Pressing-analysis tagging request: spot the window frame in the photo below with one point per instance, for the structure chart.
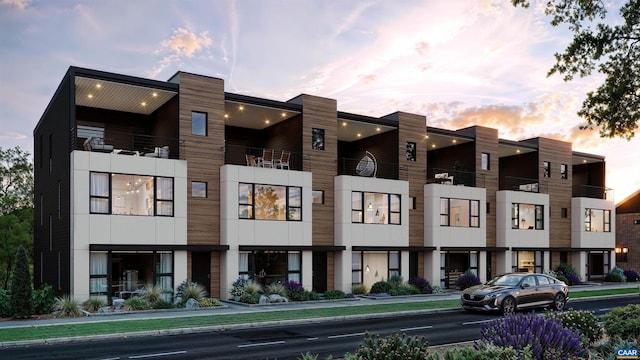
(445, 212)
(206, 123)
(564, 171)
(538, 217)
(546, 169)
(250, 205)
(606, 220)
(206, 190)
(394, 217)
(485, 161)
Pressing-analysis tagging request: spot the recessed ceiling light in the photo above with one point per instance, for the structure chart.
(144, 103)
(518, 151)
(378, 128)
(154, 94)
(426, 136)
(584, 161)
(284, 114)
(344, 123)
(98, 86)
(90, 96)
(455, 141)
(358, 134)
(433, 145)
(240, 107)
(267, 121)
(226, 116)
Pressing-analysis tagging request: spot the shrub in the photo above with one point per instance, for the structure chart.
(619, 271)
(276, 289)
(394, 346)
(253, 288)
(209, 302)
(483, 351)
(613, 277)
(335, 294)
(190, 290)
(136, 303)
(381, 287)
(66, 306)
(310, 296)
(295, 291)
(239, 287)
(359, 289)
(564, 268)
(163, 304)
(395, 280)
(43, 299)
(152, 293)
(21, 287)
(467, 280)
(422, 284)
(547, 337)
(631, 275)
(5, 303)
(563, 279)
(573, 279)
(93, 304)
(404, 289)
(583, 321)
(610, 347)
(437, 289)
(623, 322)
(250, 298)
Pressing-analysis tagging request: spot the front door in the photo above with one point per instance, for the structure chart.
(319, 271)
(201, 269)
(596, 265)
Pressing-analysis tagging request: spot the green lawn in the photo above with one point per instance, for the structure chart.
(36, 332)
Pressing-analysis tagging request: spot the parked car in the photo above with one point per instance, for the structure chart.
(510, 292)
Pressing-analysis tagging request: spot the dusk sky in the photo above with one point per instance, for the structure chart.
(458, 62)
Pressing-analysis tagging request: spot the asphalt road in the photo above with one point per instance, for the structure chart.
(286, 342)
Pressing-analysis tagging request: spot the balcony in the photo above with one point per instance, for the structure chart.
(128, 144)
(368, 167)
(454, 177)
(522, 184)
(252, 156)
(593, 192)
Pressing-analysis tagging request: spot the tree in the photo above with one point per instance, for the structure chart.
(21, 287)
(611, 49)
(16, 208)
(16, 180)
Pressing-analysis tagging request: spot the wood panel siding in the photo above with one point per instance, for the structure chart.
(331, 281)
(556, 152)
(321, 113)
(487, 142)
(216, 275)
(204, 154)
(413, 128)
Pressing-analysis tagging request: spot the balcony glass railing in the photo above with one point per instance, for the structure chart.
(454, 177)
(594, 192)
(130, 144)
(263, 157)
(522, 184)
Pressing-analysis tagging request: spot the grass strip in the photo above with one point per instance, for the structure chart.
(36, 332)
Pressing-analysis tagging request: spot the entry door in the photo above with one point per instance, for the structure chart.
(319, 271)
(596, 265)
(201, 269)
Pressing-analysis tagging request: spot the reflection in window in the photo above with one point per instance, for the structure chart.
(527, 216)
(375, 208)
(269, 202)
(459, 212)
(597, 220)
(198, 123)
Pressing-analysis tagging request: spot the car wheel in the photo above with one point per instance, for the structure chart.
(508, 305)
(558, 302)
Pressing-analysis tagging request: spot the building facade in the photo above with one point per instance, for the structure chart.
(142, 182)
(628, 232)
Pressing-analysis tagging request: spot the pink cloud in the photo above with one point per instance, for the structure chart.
(20, 4)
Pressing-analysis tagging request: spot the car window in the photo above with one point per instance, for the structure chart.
(543, 280)
(506, 280)
(529, 280)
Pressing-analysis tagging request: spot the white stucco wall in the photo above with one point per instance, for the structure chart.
(580, 238)
(520, 238)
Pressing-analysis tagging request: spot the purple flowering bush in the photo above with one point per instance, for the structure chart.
(422, 284)
(573, 279)
(546, 338)
(467, 280)
(631, 275)
(295, 290)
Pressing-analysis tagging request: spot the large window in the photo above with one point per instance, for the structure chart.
(597, 220)
(459, 212)
(124, 194)
(269, 267)
(375, 208)
(269, 202)
(527, 216)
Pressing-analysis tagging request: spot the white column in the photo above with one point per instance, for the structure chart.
(307, 269)
(229, 271)
(482, 266)
(432, 267)
(342, 267)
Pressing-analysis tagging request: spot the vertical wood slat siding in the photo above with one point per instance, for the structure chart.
(560, 190)
(321, 113)
(216, 275)
(413, 128)
(204, 154)
(487, 142)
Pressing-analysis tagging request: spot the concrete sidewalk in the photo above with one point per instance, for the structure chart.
(235, 308)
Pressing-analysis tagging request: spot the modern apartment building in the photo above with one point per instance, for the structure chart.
(628, 232)
(140, 181)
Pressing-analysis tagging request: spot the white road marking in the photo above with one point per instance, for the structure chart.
(417, 328)
(345, 335)
(157, 355)
(313, 338)
(605, 309)
(476, 322)
(115, 358)
(261, 344)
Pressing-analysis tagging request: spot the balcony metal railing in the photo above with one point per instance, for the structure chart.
(383, 170)
(455, 177)
(130, 144)
(594, 192)
(237, 155)
(522, 184)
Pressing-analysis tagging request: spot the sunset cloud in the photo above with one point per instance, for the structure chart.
(20, 4)
(183, 43)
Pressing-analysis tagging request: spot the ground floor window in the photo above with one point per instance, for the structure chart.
(268, 267)
(527, 261)
(369, 267)
(125, 274)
